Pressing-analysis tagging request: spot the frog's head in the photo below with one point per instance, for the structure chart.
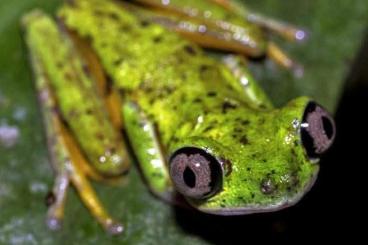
(253, 161)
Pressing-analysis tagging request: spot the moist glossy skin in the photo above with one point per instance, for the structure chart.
(198, 125)
(194, 101)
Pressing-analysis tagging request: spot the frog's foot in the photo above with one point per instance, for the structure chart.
(78, 177)
(277, 55)
(55, 200)
(70, 170)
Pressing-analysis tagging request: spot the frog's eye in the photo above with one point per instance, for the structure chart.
(195, 173)
(317, 130)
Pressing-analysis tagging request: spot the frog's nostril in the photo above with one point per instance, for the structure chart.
(318, 130)
(195, 173)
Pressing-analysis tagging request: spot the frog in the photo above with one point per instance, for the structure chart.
(200, 126)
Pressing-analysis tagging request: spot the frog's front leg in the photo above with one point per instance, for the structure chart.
(65, 87)
(148, 150)
(242, 80)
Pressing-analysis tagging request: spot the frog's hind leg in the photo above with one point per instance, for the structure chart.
(243, 33)
(66, 158)
(283, 29)
(68, 162)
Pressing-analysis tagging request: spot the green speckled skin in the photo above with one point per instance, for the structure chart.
(79, 103)
(174, 96)
(195, 100)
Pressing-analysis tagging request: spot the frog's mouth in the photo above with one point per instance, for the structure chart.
(251, 209)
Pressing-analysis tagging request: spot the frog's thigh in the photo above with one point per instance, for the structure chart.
(242, 80)
(145, 143)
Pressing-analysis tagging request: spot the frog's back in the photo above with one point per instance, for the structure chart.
(149, 63)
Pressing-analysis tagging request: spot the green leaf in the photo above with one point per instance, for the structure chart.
(25, 175)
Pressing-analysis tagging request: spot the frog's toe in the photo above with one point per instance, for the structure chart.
(54, 223)
(115, 228)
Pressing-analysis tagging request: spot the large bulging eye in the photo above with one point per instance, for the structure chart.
(318, 130)
(195, 173)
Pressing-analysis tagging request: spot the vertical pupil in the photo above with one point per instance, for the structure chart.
(327, 126)
(189, 177)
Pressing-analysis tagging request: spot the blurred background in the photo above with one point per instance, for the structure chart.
(336, 75)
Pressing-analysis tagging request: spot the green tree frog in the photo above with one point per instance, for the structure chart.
(199, 125)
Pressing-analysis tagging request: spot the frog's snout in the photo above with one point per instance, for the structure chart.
(317, 130)
(195, 173)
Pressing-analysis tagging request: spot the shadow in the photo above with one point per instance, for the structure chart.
(335, 203)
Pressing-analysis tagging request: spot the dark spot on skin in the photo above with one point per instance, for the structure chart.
(203, 68)
(98, 13)
(267, 186)
(190, 50)
(100, 136)
(86, 70)
(249, 169)
(293, 153)
(168, 89)
(252, 195)
(234, 136)
(89, 111)
(227, 16)
(272, 171)
(118, 61)
(144, 23)
(262, 106)
(245, 122)
(227, 166)
(68, 76)
(157, 175)
(50, 199)
(244, 140)
(245, 180)
(103, 44)
(113, 16)
(222, 205)
(227, 105)
(109, 86)
(211, 94)
(241, 199)
(157, 39)
(121, 90)
(208, 128)
(73, 113)
(264, 160)
(183, 76)
(197, 100)
(152, 100)
(59, 64)
(124, 28)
